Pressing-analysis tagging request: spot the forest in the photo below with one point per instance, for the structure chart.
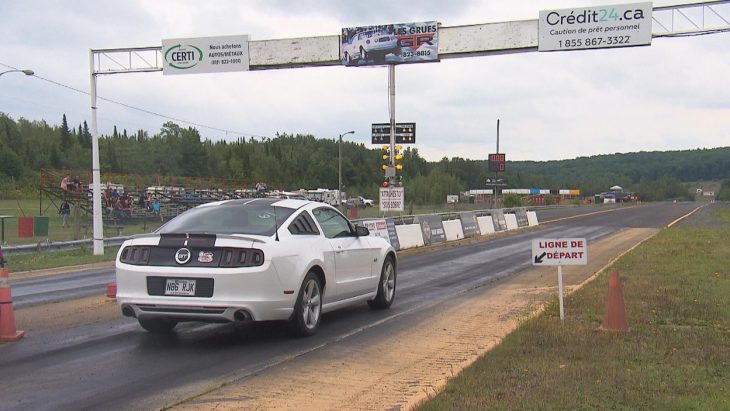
(291, 162)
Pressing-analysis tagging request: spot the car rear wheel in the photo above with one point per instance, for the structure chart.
(157, 325)
(308, 308)
(386, 287)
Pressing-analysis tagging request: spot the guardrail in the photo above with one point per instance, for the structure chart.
(115, 241)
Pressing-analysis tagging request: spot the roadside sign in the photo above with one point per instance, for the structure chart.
(405, 133)
(391, 198)
(560, 251)
(616, 25)
(205, 55)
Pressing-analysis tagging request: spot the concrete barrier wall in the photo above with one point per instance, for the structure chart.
(486, 225)
(453, 229)
(511, 221)
(409, 235)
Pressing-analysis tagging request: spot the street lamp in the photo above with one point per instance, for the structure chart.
(26, 72)
(339, 184)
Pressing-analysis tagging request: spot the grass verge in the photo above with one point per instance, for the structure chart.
(675, 357)
(53, 259)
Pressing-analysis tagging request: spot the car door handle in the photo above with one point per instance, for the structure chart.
(339, 250)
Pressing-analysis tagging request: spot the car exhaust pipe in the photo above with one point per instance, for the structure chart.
(128, 311)
(242, 316)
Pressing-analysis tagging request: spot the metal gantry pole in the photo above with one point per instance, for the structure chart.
(95, 168)
(391, 105)
(391, 92)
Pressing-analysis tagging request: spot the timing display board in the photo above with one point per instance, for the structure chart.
(497, 163)
(405, 133)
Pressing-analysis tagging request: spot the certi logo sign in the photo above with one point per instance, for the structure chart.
(560, 251)
(205, 55)
(183, 57)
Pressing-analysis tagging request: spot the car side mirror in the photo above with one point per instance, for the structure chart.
(362, 231)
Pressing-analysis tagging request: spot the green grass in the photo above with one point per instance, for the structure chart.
(676, 355)
(56, 232)
(53, 259)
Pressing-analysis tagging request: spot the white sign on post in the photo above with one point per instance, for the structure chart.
(560, 252)
(391, 199)
(205, 55)
(617, 25)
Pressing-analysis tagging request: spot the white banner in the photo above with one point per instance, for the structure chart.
(377, 228)
(205, 55)
(617, 25)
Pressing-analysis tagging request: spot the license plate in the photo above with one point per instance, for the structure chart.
(178, 286)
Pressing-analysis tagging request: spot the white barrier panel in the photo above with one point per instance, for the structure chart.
(409, 235)
(486, 225)
(511, 220)
(453, 229)
(532, 218)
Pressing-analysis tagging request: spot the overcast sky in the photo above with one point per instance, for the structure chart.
(674, 94)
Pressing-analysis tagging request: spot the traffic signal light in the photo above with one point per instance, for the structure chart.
(399, 158)
(385, 155)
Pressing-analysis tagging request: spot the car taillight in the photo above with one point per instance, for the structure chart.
(241, 257)
(135, 255)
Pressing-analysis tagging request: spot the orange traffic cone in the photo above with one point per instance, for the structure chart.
(8, 333)
(615, 317)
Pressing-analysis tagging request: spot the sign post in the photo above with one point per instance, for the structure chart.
(560, 252)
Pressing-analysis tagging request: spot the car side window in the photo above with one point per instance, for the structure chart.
(303, 225)
(333, 224)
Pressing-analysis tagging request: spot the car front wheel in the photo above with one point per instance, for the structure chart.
(157, 325)
(308, 308)
(386, 287)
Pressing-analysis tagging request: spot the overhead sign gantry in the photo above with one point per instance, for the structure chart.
(453, 42)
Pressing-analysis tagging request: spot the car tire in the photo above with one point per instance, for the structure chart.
(386, 286)
(308, 307)
(157, 325)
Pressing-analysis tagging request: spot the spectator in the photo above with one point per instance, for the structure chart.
(77, 183)
(65, 183)
(115, 197)
(65, 211)
(156, 209)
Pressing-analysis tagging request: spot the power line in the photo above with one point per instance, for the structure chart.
(142, 110)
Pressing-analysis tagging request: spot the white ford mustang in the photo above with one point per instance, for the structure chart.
(253, 260)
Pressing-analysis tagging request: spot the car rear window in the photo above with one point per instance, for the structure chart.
(233, 218)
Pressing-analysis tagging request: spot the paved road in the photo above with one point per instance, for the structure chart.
(116, 365)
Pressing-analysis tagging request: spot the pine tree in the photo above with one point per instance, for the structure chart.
(65, 134)
(87, 136)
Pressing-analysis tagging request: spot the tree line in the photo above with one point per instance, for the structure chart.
(291, 162)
